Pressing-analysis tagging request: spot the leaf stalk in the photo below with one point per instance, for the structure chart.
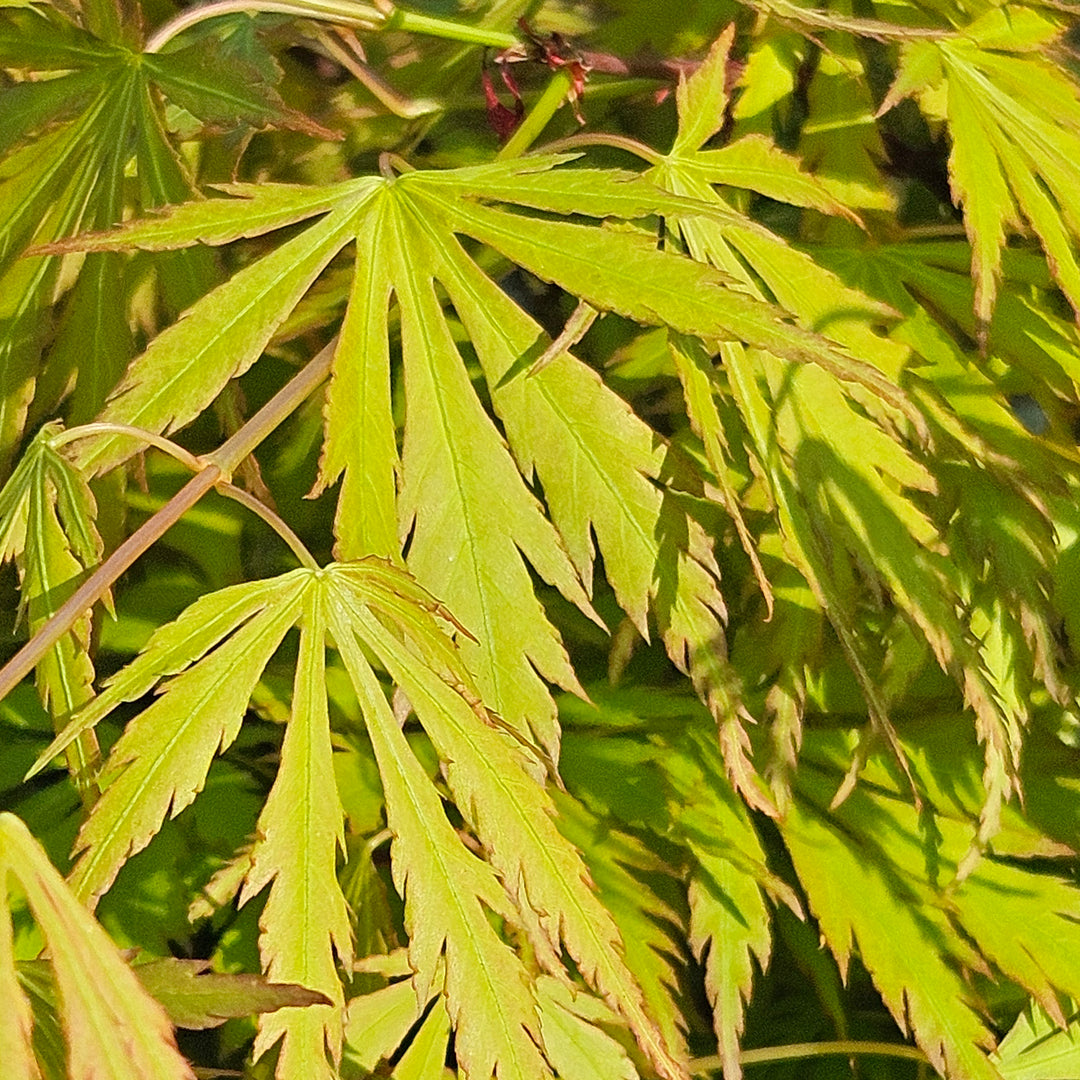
(383, 16)
(216, 469)
(798, 1051)
(537, 119)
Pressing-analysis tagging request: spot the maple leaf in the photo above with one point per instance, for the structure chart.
(898, 885)
(112, 1026)
(213, 655)
(830, 452)
(454, 460)
(1012, 116)
(70, 140)
(47, 527)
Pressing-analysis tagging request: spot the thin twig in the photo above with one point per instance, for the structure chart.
(798, 1051)
(383, 16)
(216, 468)
(260, 509)
(600, 138)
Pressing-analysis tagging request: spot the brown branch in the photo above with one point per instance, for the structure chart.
(217, 468)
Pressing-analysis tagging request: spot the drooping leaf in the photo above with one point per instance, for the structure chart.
(900, 874)
(513, 815)
(114, 1029)
(919, 981)
(489, 994)
(297, 855)
(47, 524)
(1013, 119)
(617, 863)
(729, 920)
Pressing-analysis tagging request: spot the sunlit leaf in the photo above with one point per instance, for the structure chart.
(113, 1027)
(297, 855)
(1013, 120)
(1037, 1049)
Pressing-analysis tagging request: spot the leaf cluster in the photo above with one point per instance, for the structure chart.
(680, 670)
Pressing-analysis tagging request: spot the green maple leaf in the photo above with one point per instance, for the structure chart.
(111, 1025)
(1012, 116)
(69, 141)
(455, 469)
(213, 655)
(47, 527)
(729, 919)
(618, 862)
(1010, 918)
(838, 462)
(1003, 531)
(674, 784)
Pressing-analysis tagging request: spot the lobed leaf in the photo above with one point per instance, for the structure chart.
(221, 86)
(650, 286)
(702, 99)
(45, 42)
(624, 871)
(512, 815)
(472, 518)
(756, 164)
(185, 366)
(160, 762)
(729, 920)
(1013, 118)
(911, 965)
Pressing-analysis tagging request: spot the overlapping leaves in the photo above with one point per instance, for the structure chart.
(464, 503)
(1010, 920)
(111, 1025)
(838, 462)
(886, 529)
(213, 655)
(68, 142)
(1014, 120)
(47, 527)
(1015, 921)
